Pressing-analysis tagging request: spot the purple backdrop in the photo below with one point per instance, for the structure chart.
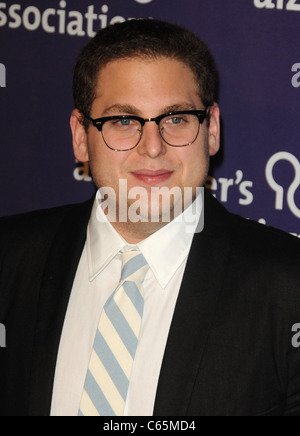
(257, 48)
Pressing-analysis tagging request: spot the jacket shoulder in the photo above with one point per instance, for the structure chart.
(268, 260)
(248, 235)
(29, 223)
(252, 234)
(37, 226)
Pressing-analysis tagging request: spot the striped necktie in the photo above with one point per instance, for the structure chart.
(107, 381)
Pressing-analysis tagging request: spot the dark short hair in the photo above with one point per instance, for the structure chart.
(143, 38)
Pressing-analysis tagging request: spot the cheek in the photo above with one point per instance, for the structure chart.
(195, 165)
(104, 164)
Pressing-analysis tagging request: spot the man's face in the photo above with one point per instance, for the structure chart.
(147, 88)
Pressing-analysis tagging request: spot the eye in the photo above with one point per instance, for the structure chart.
(122, 122)
(175, 121)
(125, 122)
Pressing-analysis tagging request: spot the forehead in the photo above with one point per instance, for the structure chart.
(145, 83)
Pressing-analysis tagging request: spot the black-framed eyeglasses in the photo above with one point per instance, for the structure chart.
(124, 132)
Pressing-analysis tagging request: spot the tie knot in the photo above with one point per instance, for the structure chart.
(134, 266)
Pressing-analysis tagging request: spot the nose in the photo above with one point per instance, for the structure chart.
(152, 143)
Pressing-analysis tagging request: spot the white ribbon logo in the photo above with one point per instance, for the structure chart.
(278, 188)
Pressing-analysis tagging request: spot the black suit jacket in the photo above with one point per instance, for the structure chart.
(229, 350)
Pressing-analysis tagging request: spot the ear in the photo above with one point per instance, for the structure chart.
(79, 137)
(214, 130)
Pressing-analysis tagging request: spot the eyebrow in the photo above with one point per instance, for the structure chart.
(180, 107)
(119, 109)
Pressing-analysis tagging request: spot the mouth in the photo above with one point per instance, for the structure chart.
(152, 178)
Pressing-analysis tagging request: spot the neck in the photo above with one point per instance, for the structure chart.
(136, 232)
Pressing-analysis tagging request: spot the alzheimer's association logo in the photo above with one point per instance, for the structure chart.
(280, 190)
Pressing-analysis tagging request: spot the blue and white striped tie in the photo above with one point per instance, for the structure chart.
(107, 380)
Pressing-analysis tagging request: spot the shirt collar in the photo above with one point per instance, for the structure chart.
(164, 259)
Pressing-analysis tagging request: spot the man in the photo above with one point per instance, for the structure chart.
(217, 306)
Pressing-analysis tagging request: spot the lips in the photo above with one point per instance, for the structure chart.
(150, 177)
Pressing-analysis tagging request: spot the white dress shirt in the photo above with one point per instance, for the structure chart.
(97, 277)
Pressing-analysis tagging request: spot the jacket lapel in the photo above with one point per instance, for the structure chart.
(195, 312)
(56, 286)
